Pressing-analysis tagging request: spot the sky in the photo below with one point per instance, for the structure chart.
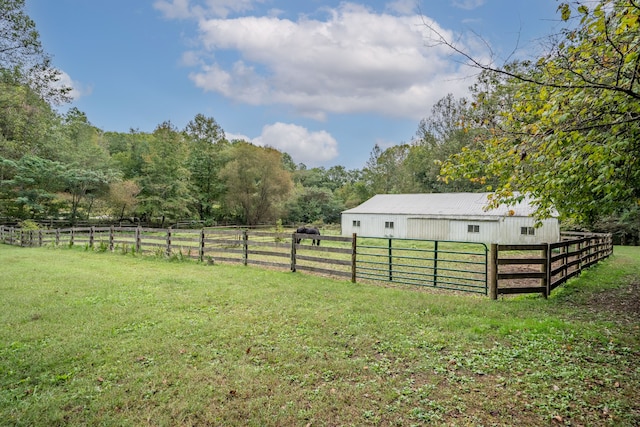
(321, 80)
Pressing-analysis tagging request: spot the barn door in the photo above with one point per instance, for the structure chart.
(426, 228)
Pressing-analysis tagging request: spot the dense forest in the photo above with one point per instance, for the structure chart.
(563, 128)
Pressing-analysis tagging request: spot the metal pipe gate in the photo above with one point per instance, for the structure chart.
(458, 266)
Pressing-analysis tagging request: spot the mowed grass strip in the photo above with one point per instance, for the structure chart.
(110, 339)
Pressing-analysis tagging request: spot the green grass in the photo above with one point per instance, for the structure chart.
(109, 339)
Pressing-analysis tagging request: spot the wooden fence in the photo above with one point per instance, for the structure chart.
(540, 268)
(510, 269)
(248, 247)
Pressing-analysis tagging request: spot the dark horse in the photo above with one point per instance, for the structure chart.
(308, 230)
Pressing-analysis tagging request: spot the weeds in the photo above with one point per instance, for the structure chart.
(102, 247)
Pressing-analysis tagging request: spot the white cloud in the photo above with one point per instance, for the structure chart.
(468, 4)
(183, 9)
(174, 9)
(355, 61)
(190, 59)
(403, 7)
(237, 136)
(310, 148)
(78, 90)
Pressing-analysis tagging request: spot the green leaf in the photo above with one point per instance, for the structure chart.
(565, 11)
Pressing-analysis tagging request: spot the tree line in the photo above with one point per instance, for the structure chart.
(562, 128)
(73, 170)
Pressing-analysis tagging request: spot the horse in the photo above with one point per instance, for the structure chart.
(309, 230)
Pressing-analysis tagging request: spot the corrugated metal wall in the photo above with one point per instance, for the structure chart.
(486, 232)
(511, 231)
(374, 225)
(429, 229)
(491, 230)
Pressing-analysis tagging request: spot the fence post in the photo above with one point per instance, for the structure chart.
(111, 238)
(138, 238)
(201, 253)
(91, 236)
(293, 252)
(245, 247)
(57, 237)
(390, 262)
(564, 250)
(435, 263)
(586, 248)
(493, 272)
(354, 248)
(587, 252)
(40, 238)
(168, 250)
(71, 235)
(547, 270)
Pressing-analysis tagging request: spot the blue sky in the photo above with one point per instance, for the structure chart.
(322, 80)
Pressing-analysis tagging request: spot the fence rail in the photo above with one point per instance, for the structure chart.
(509, 269)
(248, 247)
(518, 269)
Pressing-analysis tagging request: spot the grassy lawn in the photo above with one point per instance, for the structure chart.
(110, 339)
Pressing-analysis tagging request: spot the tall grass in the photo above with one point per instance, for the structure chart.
(109, 339)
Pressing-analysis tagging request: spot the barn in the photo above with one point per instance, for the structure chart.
(448, 216)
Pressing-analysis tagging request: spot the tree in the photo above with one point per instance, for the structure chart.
(445, 132)
(256, 182)
(385, 171)
(22, 54)
(82, 144)
(571, 136)
(207, 143)
(27, 122)
(129, 151)
(80, 184)
(164, 179)
(122, 197)
(28, 187)
(313, 204)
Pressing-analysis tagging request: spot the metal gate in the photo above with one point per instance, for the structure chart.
(459, 266)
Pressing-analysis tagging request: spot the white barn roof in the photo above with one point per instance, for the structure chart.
(439, 204)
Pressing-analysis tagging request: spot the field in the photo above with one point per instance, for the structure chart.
(91, 338)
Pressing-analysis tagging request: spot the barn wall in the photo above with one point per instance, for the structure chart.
(489, 230)
(373, 225)
(429, 229)
(549, 232)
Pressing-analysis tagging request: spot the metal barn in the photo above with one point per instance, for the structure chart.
(448, 216)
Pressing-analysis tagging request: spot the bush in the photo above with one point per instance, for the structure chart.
(29, 224)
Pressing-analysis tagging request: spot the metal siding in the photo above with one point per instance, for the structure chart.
(429, 229)
(374, 225)
(549, 232)
(505, 230)
(460, 231)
